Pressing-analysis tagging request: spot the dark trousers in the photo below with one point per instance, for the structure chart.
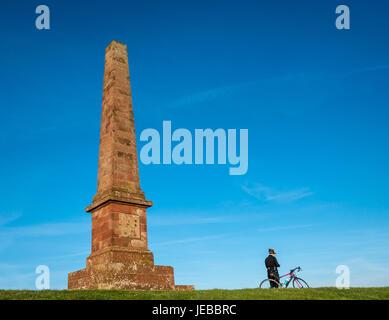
(274, 276)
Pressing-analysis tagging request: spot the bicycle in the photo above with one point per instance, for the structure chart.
(296, 282)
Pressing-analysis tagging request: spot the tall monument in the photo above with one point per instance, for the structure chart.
(120, 257)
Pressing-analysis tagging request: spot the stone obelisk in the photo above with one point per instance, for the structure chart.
(120, 258)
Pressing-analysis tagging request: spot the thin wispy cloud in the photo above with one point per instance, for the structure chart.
(181, 219)
(218, 92)
(5, 219)
(46, 229)
(366, 69)
(265, 193)
(290, 227)
(370, 266)
(68, 256)
(210, 94)
(198, 239)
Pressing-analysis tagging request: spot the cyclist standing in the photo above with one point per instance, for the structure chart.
(272, 264)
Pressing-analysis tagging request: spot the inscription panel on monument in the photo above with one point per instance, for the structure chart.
(129, 225)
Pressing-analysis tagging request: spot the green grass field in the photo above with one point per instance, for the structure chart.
(381, 293)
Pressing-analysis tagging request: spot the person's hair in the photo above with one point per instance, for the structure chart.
(272, 251)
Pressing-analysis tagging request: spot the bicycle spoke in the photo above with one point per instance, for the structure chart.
(300, 283)
(269, 284)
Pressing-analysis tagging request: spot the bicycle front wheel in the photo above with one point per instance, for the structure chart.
(299, 283)
(269, 284)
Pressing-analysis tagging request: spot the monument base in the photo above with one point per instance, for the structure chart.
(123, 269)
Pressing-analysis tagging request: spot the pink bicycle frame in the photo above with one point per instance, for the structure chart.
(293, 277)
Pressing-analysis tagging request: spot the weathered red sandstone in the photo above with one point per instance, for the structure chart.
(120, 258)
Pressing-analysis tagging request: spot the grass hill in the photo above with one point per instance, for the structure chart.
(380, 293)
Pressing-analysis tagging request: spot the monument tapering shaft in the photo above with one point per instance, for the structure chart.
(118, 163)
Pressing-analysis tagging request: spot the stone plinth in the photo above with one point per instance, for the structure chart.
(115, 268)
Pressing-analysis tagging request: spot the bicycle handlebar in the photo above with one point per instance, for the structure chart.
(297, 268)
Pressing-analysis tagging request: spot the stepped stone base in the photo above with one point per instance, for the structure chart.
(121, 269)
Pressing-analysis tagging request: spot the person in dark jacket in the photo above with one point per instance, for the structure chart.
(272, 264)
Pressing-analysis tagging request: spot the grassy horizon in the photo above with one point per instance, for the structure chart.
(325, 293)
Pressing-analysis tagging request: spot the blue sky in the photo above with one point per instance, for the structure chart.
(314, 100)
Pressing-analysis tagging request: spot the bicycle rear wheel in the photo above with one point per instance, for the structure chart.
(299, 283)
(269, 284)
